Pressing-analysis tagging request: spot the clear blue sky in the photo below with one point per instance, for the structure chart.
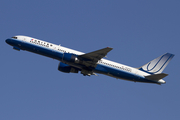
(31, 87)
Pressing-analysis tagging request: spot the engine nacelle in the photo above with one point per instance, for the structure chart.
(66, 68)
(69, 57)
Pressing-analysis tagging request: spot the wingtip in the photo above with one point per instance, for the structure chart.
(110, 48)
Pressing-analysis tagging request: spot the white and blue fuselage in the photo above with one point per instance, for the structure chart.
(91, 63)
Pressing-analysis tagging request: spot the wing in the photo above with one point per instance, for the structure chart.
(90, 59)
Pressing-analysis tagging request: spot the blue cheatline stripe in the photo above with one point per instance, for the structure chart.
(48, 52)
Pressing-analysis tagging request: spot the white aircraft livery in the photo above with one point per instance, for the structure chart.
(72, 61)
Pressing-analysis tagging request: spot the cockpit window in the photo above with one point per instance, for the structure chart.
(14, 37)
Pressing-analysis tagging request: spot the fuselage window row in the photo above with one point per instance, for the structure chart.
(40, 43)
(46, 45)
(126, 69)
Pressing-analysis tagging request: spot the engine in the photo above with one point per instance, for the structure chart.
(66, 68)
(69, 57)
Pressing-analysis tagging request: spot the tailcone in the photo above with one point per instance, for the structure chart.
(161, 81)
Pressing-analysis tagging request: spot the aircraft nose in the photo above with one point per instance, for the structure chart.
(8, 41)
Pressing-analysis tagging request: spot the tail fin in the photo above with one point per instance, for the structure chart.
(157, 65)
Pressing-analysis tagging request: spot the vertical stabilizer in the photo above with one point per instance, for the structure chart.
(157, 65)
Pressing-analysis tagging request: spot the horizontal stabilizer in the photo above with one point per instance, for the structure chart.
(156, 77)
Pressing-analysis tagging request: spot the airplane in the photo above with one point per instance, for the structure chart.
(72, 61)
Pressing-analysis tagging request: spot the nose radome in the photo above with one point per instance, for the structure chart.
(8, 41)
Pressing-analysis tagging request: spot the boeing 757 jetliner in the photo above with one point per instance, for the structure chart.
(72, 61)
